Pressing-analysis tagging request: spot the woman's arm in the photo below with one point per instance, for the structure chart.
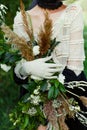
(75, 66)
(76, 44)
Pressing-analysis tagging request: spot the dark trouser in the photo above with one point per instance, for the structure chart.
(74, 124)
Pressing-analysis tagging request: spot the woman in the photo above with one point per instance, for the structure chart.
(68, 55)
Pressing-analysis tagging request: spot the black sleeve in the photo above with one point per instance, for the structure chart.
(71, 76)
(18, 80)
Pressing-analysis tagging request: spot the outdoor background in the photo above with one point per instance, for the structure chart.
(9, 91)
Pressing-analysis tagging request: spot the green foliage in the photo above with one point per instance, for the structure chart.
(85, 47)
(9, 94)
(21, 118)
(7, 55)
(55, 89)
(28, 114)
(13, 7)
(9, 91)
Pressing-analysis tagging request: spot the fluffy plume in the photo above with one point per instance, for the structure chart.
(83, 100)
(27, 26)
(21, 43)
(50, 114)
(61, 121)
(44, 36)
(63, 110)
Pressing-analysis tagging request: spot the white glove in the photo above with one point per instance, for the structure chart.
(40, 68)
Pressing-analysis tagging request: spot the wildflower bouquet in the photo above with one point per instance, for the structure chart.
(46, 100)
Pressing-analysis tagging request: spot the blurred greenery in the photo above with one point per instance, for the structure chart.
(85, 47)
(13, 7)
(9, 91)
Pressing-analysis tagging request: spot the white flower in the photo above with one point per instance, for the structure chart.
(2, 13)
(3, 7)
(32, 111)
(77, 108)
(71, 108)
(36, 50)
(56, 103)
(48, 86)
(36, 91)
(61, 78)
(16, 122)
(35, 99)
(5, 67)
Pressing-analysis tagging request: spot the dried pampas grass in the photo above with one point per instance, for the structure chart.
(44, 37)
(21, 43)
(28, 28)
(50, 113)
(83, 100)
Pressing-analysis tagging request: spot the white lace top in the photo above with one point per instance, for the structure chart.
(68, 29)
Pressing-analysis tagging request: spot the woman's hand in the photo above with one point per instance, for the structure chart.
(40, 68)
(41, 127)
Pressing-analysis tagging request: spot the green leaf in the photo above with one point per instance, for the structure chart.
(31, 86)
(51, 92)
(56, 83)
(26, 121)
(2, 52)
(52, 81)
(25, 98)
(62, 88)
(44, 86)
(56, 92)
(26, 86)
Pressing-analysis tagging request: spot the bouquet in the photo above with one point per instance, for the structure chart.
(46, 100)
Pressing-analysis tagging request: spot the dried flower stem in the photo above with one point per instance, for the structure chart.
(44, 37)
(73, 93)
(28, 29)
(21, 43)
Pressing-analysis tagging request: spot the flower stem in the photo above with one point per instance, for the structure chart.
(72, 93)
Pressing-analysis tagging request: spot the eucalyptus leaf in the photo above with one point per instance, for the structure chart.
(56, 92)
(26, 121)
(51, 92)
(44, 86)
(25, 98)
(2, 52)
(62, 88)
(56, 83)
